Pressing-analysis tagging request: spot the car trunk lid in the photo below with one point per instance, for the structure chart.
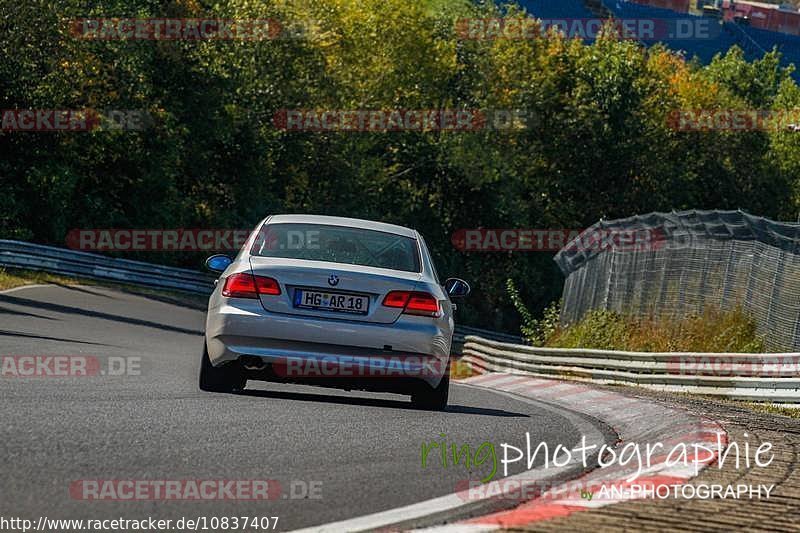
(332, 279)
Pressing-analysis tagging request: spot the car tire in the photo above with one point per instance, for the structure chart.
(433, 399)
(226, 378)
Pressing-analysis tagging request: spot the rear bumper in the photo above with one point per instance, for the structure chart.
(336, 351)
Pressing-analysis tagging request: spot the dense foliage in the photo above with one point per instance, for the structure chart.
(598, 142)
(712, 331)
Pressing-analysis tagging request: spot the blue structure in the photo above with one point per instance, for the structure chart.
(789, 45)
(754, 42)
(556, 9)
(720, 37)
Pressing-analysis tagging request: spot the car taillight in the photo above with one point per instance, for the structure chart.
(396, 299)
(245, 285)
(413, 302)
(267, 285)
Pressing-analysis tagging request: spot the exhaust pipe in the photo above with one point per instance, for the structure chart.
(250, 362)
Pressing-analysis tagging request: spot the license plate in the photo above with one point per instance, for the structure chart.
(331, 301)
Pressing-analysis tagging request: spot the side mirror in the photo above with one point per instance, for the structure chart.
(457, 288)
(218, 263)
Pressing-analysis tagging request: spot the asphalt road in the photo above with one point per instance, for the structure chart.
(358, 452)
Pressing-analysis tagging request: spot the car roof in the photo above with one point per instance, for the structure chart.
(342, 221)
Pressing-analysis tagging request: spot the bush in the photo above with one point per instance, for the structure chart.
(713, 330)
(535, 331)
(601, 330)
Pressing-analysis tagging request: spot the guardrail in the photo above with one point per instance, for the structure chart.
(18, 254)
(770, 378)
(463, 332)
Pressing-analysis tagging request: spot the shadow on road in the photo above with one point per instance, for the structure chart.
(7, 333)
(6, 311)
(375, 402)
(47, 306)
(82, 289)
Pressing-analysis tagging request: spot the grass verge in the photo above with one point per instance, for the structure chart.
(791, 412)
(757, 407)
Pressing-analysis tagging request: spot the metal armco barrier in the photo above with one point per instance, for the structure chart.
(18, 254)
(462, 332)
(772, 378)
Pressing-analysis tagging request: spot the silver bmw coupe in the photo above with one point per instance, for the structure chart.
(335, 302)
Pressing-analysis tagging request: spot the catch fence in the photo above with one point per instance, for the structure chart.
(679, 263)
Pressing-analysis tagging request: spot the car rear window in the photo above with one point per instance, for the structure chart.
(338, 244)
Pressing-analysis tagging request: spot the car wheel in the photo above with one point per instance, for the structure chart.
(433, 399)
(227, 378)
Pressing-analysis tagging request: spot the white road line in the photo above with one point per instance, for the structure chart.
(450, 502)
(442, 503)
(458, 528)
(33, 286)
